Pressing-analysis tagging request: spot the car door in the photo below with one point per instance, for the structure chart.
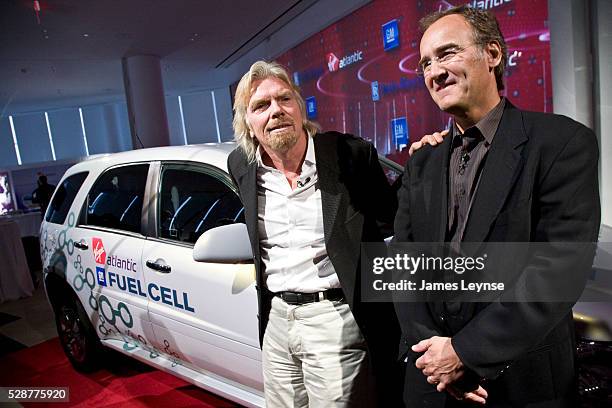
(108, 243)
(204, 314)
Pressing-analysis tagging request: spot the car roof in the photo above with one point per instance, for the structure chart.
(214, 154)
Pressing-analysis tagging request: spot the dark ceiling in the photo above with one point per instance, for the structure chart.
(74, 54)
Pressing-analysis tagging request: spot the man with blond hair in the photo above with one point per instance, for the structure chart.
(310, 199)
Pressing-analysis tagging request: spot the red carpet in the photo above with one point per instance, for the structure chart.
(123, 382)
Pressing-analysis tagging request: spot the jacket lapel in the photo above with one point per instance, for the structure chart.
(501, 169)
(246, 178)
(328, 172)
(437, 207)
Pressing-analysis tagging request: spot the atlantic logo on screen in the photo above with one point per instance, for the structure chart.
(334, 63)
(487, 4)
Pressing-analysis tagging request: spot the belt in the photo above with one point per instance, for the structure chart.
(299, 298)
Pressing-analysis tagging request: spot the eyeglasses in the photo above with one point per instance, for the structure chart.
(448, 56)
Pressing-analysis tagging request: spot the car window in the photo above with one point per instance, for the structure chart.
(192, 201)
(63, 198)
(115, 200)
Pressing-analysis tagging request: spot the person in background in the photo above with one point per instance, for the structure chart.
(504, 175)
(42, 194)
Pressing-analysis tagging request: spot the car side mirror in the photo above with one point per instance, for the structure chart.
(224, 244)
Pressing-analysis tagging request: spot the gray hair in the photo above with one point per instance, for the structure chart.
(485, 30)
(261, 70)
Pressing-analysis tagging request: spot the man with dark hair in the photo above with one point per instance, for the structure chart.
(503, 175)
(309, 200)
(42, 194)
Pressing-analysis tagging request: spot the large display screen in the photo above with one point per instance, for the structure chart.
(357, 75)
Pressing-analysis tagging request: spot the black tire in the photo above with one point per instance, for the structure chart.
(77, 335)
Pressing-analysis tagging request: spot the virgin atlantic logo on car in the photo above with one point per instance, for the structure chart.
(334, 63)
(99, 251)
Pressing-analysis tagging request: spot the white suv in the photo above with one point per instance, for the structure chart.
(117, 246)
(146, 252)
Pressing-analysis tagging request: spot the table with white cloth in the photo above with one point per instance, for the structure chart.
(15, 279)
(29, 223)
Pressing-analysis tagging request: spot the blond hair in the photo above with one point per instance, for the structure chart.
(261, 70)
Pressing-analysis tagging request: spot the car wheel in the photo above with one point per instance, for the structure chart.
(77, 336)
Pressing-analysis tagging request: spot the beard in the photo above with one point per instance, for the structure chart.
(282, 140)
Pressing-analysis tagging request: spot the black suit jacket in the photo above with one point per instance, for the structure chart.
(357, 200)
(539, 184)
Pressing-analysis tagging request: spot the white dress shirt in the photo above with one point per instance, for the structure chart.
(290, 225)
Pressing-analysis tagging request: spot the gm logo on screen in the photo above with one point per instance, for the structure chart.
(311, 107)
(390, 34)
(400, 132)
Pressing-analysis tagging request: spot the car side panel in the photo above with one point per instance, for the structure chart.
(209, 315)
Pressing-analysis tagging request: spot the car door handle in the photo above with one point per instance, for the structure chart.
(159, 267)
(81, 245)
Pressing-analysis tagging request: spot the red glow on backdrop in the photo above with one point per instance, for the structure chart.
(369, 87)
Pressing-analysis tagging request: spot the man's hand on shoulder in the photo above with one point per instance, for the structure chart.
(433, 139)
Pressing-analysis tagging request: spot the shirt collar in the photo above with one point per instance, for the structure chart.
(488, 124)
(310, 153)
(258, 158)
(309, 159)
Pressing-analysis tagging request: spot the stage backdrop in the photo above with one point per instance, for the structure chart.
(357, 75)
